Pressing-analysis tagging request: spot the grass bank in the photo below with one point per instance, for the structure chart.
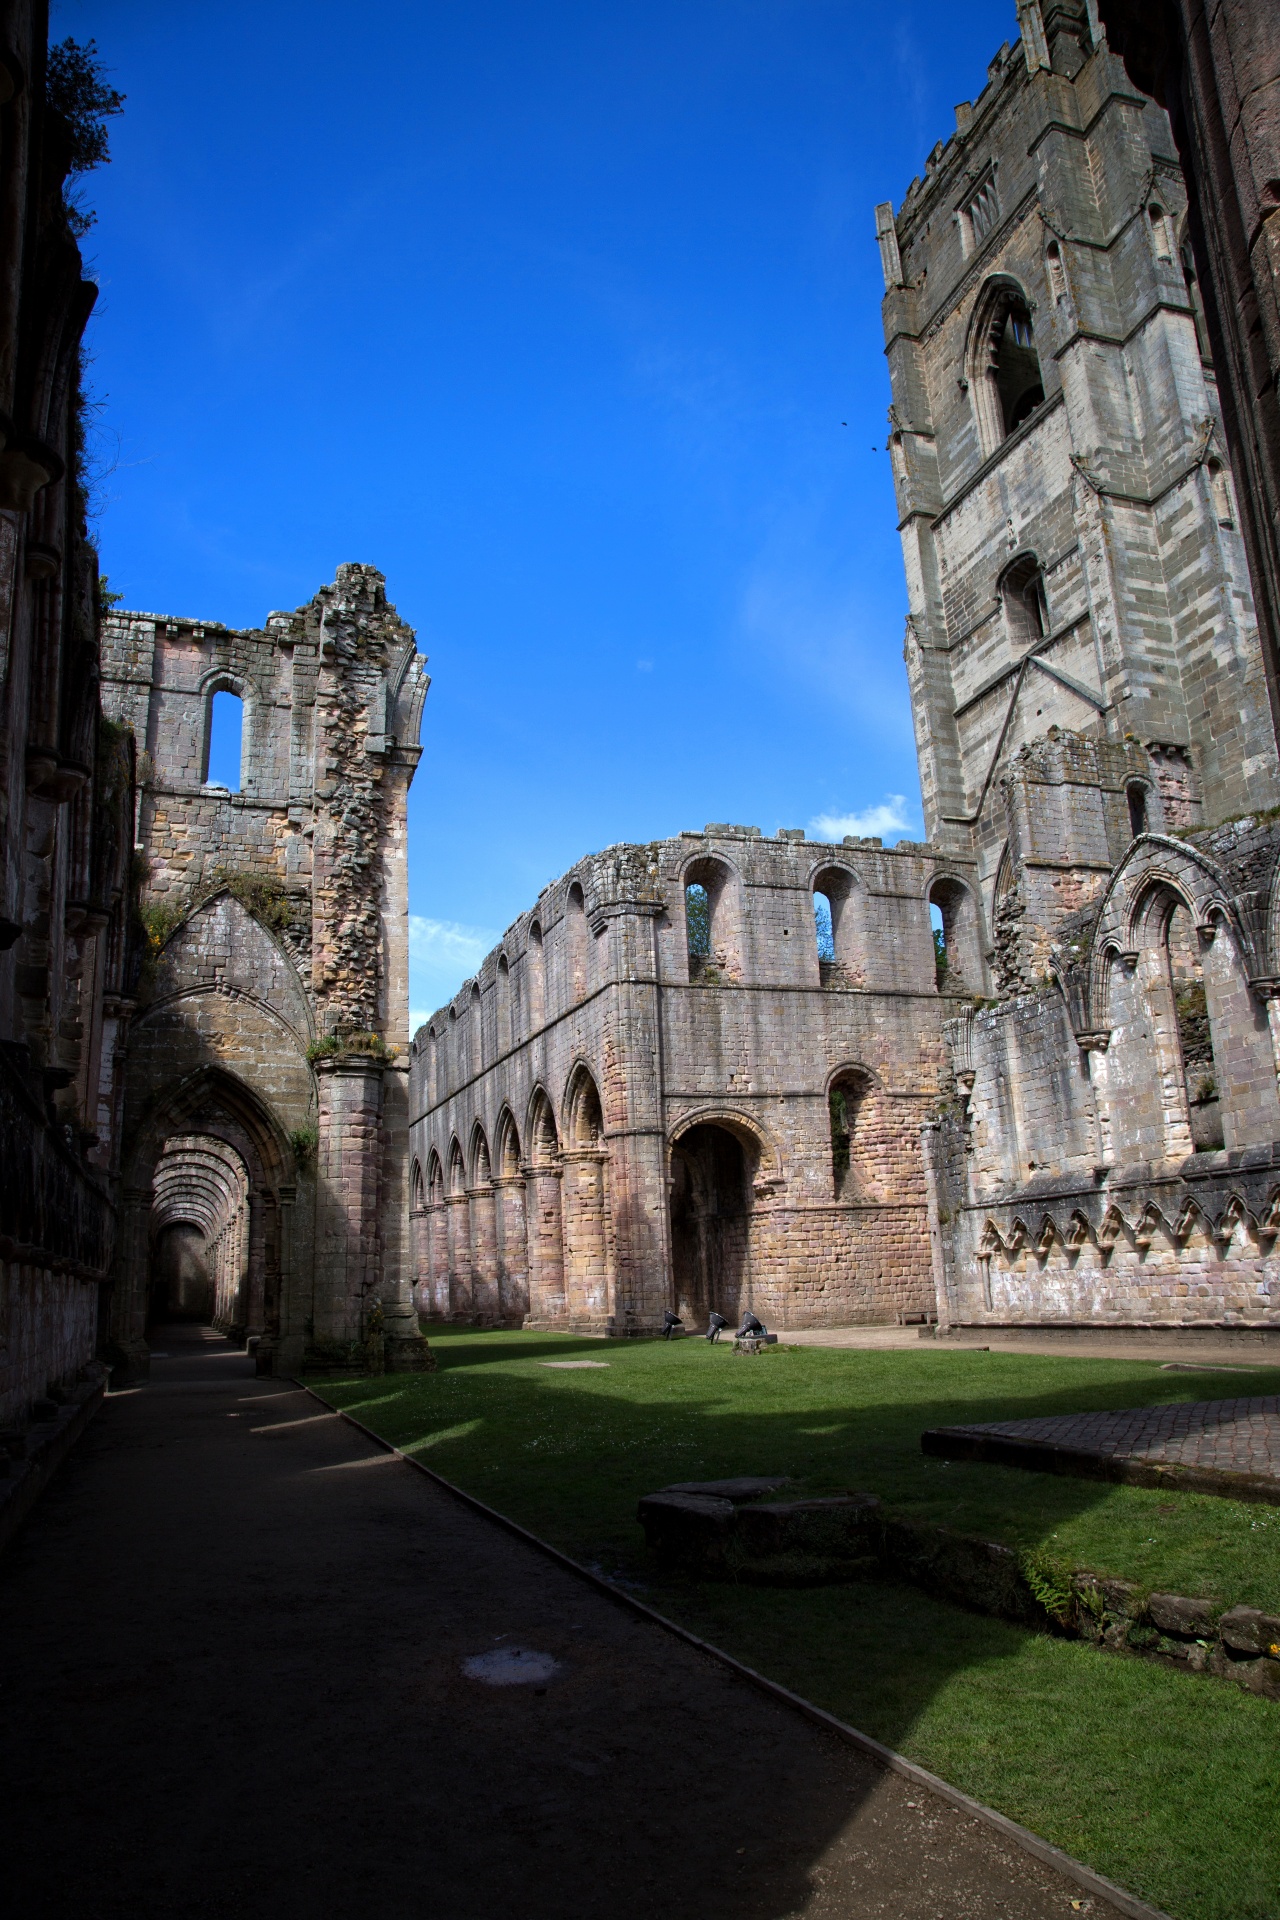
(1164, 1780)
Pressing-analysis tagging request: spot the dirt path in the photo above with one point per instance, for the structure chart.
(233, 1642)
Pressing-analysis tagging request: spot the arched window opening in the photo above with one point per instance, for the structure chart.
(419, 1189)
(868, 1153)
(1195, 1036)
(1026, 606)
(697, 920)
(535, 976)
(824, 929)
(476, 1030)
(435, 1179)
(433, 1067)
(957, 953)
(1005, 381)
(711, 922)
(504, 1004)
(1017, 368)
(1136, 794)
(940, 962)
(1161, 234)
(836, 928)
(226, 730)
(575, 919)
(457, 1170)
(1220, 492)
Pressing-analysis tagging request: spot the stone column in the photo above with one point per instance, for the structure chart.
(438, 1259)
(285, 1352)
(483, 1226)
(513, 1249)
(585, 1261)
(457, 1215)
(129, 1301)
(348, 1260)
(256, 1295)
(546, 1247)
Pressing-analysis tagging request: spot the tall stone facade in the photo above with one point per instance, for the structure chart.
(266, 1084)
(65, 779)
(1092, 712)
(675, 1084)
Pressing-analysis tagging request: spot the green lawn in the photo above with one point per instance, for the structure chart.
(1164, 1780)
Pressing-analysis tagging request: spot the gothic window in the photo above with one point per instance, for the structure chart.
(504, 1004)
(1195, 1034)
(824, 928)
(224, 741)
(957, 951)
(1026, 609)
(712, 921)
(1004, 366)
(980, 214)
(1057, 272)
(535, 978)
(575, 921)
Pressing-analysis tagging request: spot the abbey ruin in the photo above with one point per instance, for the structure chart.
(721, 1071)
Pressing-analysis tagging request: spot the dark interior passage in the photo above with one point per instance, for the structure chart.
(709, 1224)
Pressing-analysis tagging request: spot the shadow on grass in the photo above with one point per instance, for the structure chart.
(1159, 1778)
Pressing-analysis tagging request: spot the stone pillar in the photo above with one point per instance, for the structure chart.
(483, 1232)
(458, 1229)
(546, 1247)
(129, 1299)
(438, 1259)
(348, 1259)
(513, 1250)
(256, 1298)
(586, 1278)
(282, 1352)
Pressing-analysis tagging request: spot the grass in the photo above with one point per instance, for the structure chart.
(1162, 1779)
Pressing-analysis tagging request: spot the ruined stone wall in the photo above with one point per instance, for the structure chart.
(528, 1207)
(65, 777)
(273, 1012)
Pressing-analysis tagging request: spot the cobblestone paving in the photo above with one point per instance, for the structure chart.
(1216, 1436)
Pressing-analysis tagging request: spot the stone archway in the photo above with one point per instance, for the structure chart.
(710, 1223)
(213, 1158)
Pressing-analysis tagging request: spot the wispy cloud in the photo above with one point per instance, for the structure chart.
(889, 817)
(441, 955)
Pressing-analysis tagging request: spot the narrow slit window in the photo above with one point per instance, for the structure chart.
(697, 915)
(226, 729)
(1137, 795)
(941, 963)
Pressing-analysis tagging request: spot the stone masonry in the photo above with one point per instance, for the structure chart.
(619, 1115)
(267, 1068)
(1092, 714)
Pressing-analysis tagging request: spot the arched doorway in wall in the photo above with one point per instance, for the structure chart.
(209, 1229)
(711, 1171)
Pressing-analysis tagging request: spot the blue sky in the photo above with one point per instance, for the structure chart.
(554, 313)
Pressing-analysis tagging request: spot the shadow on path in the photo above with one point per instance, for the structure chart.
(233, 1641)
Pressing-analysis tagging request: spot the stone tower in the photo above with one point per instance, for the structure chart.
(266, 1089)
(1081, 645)
(1092, 715)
